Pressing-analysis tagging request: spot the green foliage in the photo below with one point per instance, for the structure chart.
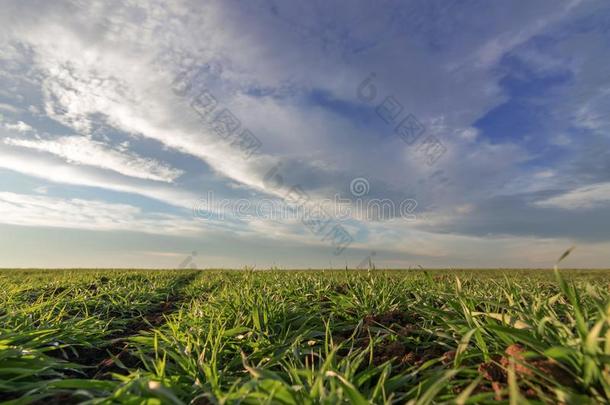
(304, 337)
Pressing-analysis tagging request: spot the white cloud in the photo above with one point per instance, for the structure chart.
(84, 151)
(124, 76)
(587, 197)
(85, 82)
(41, 189)
(52, 169)
(19, 126)
(45, 211)
(9, 108)
(469, 134)
(496, 47)
(545, 174)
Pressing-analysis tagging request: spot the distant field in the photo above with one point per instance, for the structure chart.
(280, 337)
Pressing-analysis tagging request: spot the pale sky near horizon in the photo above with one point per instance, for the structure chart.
(120, 122)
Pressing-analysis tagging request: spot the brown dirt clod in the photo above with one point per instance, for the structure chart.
(523, 367)
(495, 371)
(448, 357)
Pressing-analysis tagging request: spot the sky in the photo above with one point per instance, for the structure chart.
(304, 134)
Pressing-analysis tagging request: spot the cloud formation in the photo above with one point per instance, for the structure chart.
(84, 151)
(89, 105)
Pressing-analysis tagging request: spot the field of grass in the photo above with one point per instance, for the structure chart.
(306, 337)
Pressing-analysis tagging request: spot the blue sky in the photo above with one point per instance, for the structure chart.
(104, 161)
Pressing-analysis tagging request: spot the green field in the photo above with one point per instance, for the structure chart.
(292, 337)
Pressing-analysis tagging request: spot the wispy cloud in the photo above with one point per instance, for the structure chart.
(587, 197)
(19, 126)
(53, 169)
(44, 211)
(84, 151)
